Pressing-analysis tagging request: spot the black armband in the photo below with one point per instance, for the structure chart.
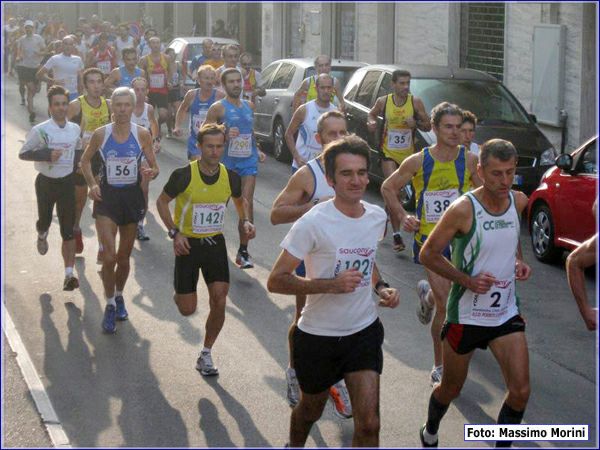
(379, 284)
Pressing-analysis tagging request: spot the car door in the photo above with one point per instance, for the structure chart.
(574, 220)
(281, 81)
(262, 111)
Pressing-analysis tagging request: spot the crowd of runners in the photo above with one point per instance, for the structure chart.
(110, 96)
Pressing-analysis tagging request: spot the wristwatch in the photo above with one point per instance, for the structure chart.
(173, 232)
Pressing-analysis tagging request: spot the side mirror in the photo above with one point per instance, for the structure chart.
(533, 117)
(564, 162)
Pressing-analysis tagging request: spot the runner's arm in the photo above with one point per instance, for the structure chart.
(291, 203)
(86, 162)
(73, 110)
(337, 86)
(214, 113)
(376, 111)
(111, 81)
(297, 119)
(388, 296)
(36, 149)
(162, 206)
(146, 142)
(472, 161)
(154, 130)
(396, 181)
(300, 94)
(184, 107)
(421, 116)
(581, 258)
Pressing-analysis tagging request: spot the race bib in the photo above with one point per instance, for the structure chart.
(493, 304)
(104, 66)
(240, 146)
(66, 157)
(436, 202)
(399, 139)
(208, 218)
(157, 80)
(122, 170)
(362, 259)
(198, 119)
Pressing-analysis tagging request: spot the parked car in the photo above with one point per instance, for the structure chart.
(281, 79)
(500, 114)
(188, 47)
(560, 209)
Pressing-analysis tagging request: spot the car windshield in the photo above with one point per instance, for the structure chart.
(341, 73)
(489, 101)
(196, 49)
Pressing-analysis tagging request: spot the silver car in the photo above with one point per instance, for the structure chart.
(281, 79)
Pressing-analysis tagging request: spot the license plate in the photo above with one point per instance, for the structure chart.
(518, 181)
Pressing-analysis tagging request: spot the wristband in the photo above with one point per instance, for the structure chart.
(378, 285)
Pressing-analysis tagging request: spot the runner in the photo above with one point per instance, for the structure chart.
(197, 102)
(308, 89)
(231, 60)
(304, 122)
(241, 151)
(175, 96)
(30, 51)
(123, 41)
(339, 334)
(306, 188)
(403, 114)
(484, 227)
(200, 60)
(66, 69)
(440, 174)
(119, 201)
(159, 72)
(102, 55)
(143, 115)
(201, 191)
(467, 131)
(124, 75)
(251, 77)
(52, 145)
(90, 112)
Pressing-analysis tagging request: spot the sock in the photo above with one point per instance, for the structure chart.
(42, 235)
(397, 233)
(435, 413)
(205, 350)
(118, 293)
(507, 415)
(243, 248)
(111, 301)
(68, 271)
(100, 247)
(141, 223)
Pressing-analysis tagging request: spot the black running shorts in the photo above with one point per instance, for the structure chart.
(158, 100)
(59, 192)
(123, 206)
(321, 361)
(208, 255)
(465, 338)
(27, 74)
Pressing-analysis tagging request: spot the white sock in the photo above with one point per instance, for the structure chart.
(397, 233)
(68, 271)
(205, 350)
(141, 223)
(111, 301)
(291, 371)
(429, 438)
(42, 235)
(118, 293)
(100, 247)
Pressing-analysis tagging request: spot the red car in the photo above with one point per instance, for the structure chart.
(560, 209)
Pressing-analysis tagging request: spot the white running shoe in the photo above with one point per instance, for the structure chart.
(435, 377)
(424, 308)
(339, 396)
(205, 365)
(293, 387)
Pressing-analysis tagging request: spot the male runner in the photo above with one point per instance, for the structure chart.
(304, 122)
(124, 75)
(31, 48)
(123, 41)
(196, 102)
(440, 174)
(483, 310)
(308, 89)
(467, 131)
(102, 55)
(201, 191)
(339, 334)
(52, 145)
(403, 114)
(90, 111)
(66, 69)
(306, 188)
(251, 77)
(119, 201)
(199, 60)
(241, 152)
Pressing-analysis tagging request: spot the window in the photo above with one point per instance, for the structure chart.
(342, 74)
(588, 160)
(345, 27)
(367, 88)
(385, 87)
(267, 74)
(284, 76)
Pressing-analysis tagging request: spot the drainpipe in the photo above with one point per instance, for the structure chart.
(563, 132)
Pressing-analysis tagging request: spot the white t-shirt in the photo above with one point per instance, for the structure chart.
(331, 242)
(49, 134)
(29, 47)
(306, 143)
(120, 45)
(65, 68)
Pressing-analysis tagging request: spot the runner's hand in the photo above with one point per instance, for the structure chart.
(372, 125)
(94, 193)
(522, 270)
(177, 132)
(261, 156)
(411, 224)
(55, 155)
(347, 281)
(249, 230)
(590, 317)
(389, 297)
(156, 146)
(300, 161)
(233, 132)
(149, 172)
(481, 283)
(410, 122)
(181, 245)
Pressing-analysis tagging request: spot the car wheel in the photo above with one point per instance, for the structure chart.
(542, 235)
(280, 150)
(407, 197)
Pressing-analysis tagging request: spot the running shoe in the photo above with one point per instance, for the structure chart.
(169, 134)
(100, 257)
(32, 117)
(424, 308)
(293, 387)
(71, 283)
(435, 377)
(205, 365)
(339, 396)
(244, 260)
(78, 241)
(423, 443)
(398, 243)
(22, 101)
(141, 233)
(121, 311)
(42, 245)
(109, 324)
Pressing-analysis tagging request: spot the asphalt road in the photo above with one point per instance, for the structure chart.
(139, 388)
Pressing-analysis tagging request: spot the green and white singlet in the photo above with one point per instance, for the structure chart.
(490, 246)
